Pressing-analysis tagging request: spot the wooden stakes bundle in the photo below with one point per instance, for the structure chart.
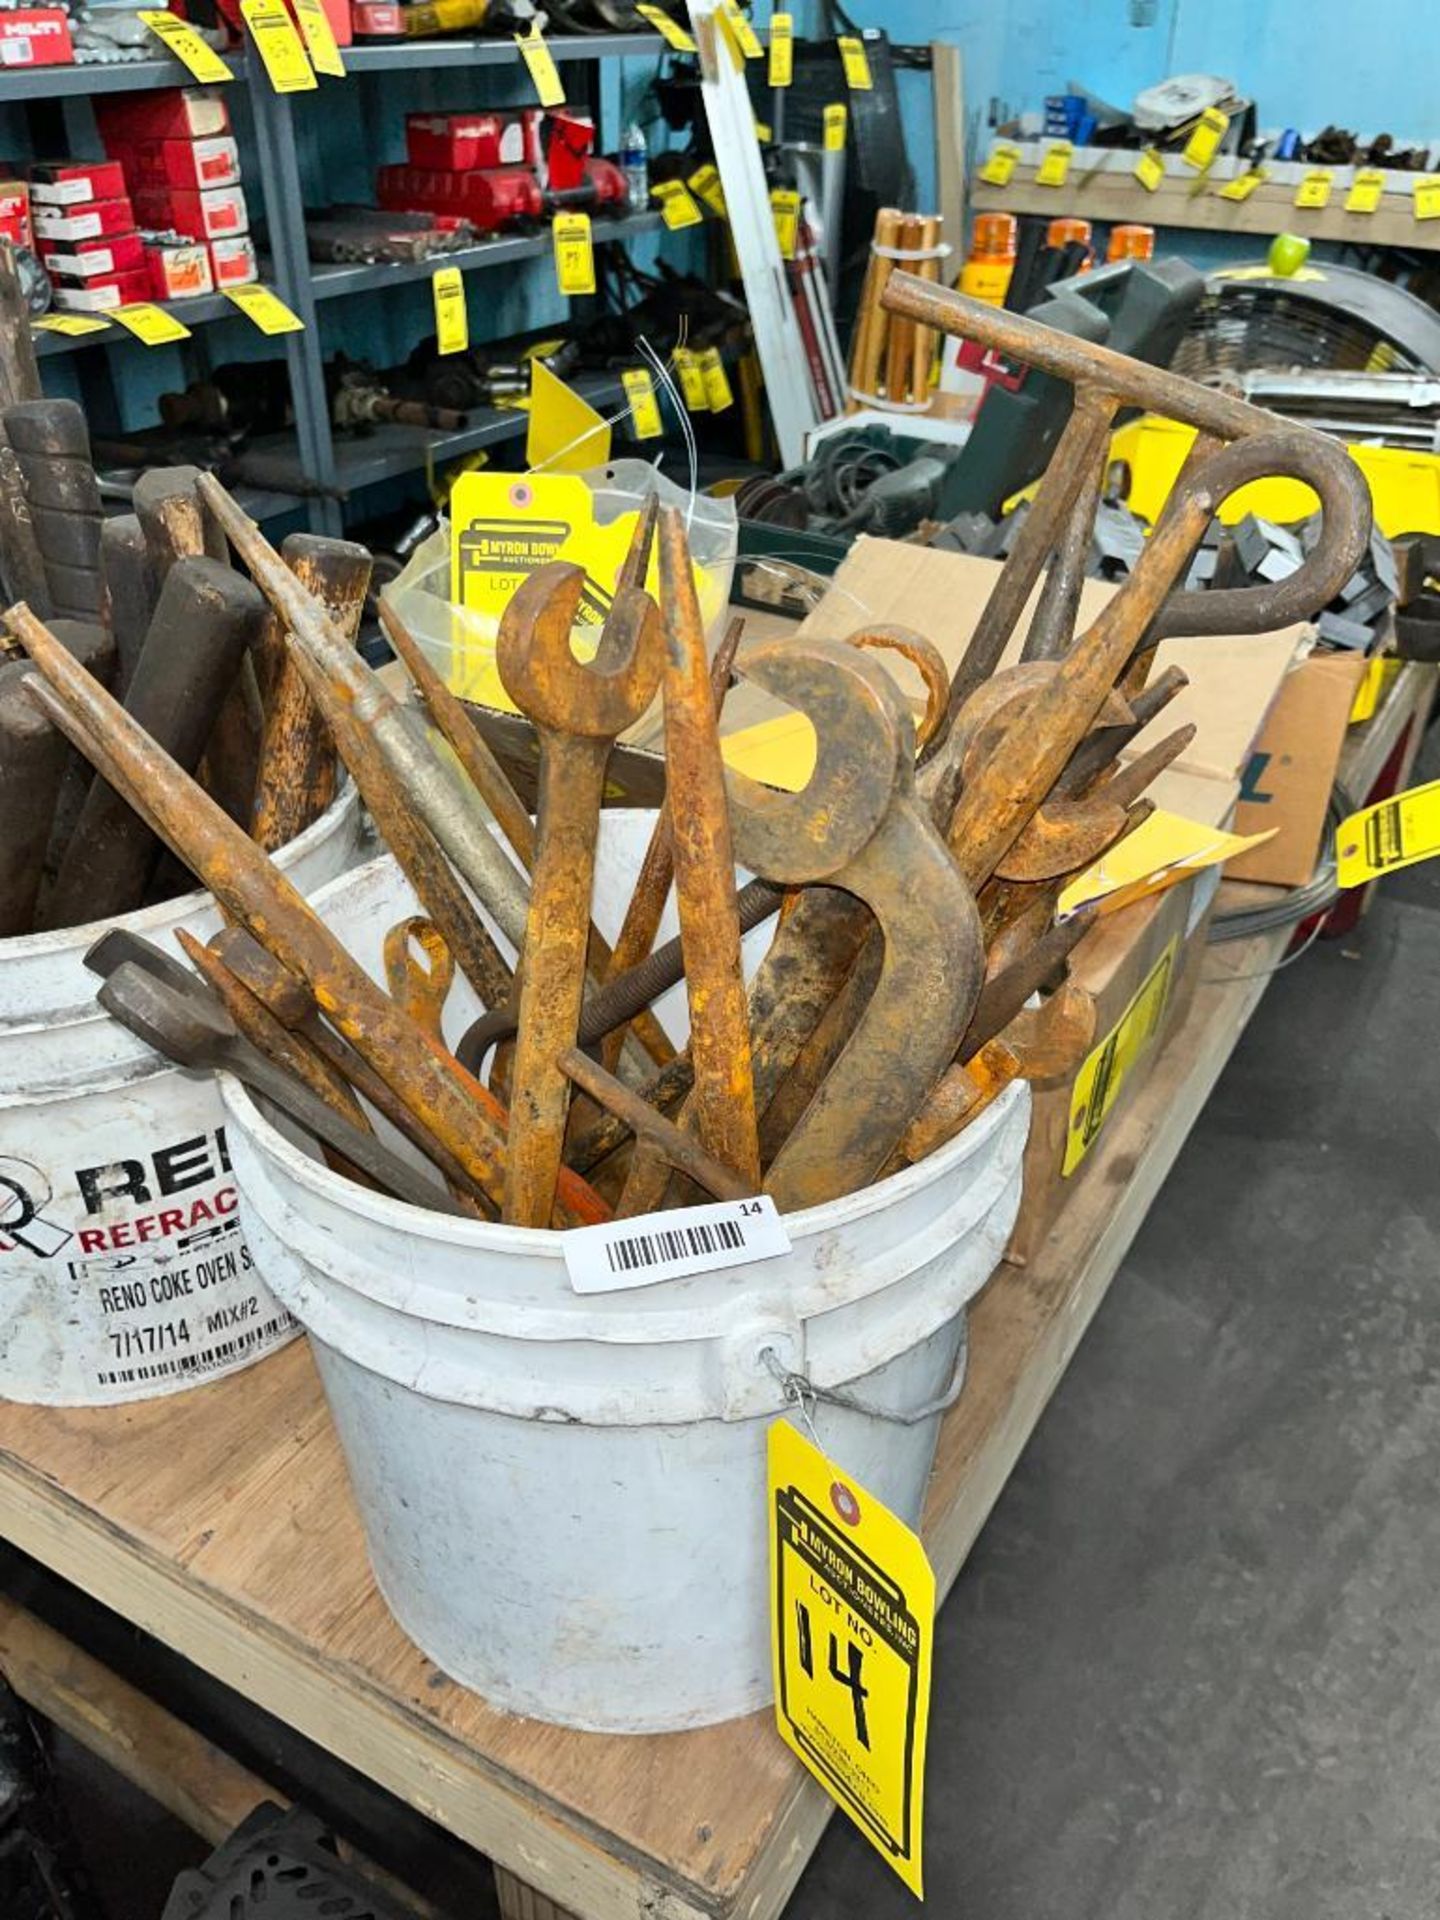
(891, 356)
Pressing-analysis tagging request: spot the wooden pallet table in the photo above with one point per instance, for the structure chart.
(221, 1522)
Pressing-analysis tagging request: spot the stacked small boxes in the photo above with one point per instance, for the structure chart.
(85, 233)
(183, 167)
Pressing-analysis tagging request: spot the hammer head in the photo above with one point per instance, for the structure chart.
(542, 675)
(191, 1028)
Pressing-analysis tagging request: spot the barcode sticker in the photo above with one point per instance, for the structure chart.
(674, 1245)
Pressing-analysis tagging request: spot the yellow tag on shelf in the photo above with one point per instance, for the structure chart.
(1098, 1083)
(278, 44)
(1394, 833)
(565, 434)
(1426, 190)
(70, 323)
(677, 208)
(1204, 142)
(717, 381)
(670, 31)
(543, 71)
(856, 63)
(574, 253)
(1162, 850)
(644, 407)
(852, 1623)
(1056, 164)
(1244, 184)
(189, 49)
(1314, 188)
(1366, 190)
(785, 207)
(452, 317)
(999, 165)
(782, 50)
(319, 37)
(764, 132)
(692, 380)
(149, 323)
(265, 309)
(837, 125)
(746, 37)
(1149, 170)
(704, 183)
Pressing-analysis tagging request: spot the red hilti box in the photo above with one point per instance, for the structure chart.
(172, 113)
(15, 213)
(35, 37)
(489, 196)
(217, 214)
(458, 142)
(569, 142)
(193, 166)
(95, 259)
(377, 19)
(89, 222)
(179, 272)
(233, 262)
(97, 296)
(70, 183)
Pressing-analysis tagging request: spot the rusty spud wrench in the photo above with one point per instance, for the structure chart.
(858, 826)
(578, 712)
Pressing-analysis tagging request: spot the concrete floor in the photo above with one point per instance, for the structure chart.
(1192, 1668)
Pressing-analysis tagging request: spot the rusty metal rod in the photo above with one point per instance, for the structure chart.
(678, 1149)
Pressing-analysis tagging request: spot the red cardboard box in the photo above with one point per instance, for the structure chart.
(15, 213)
(378, 20)
(88, 222)
(179, 273)
(218, 214)
(98, 296)
(182, 165)
(70, 183)
(35, 37)
(233, 262)
(457, 142)
(171, 113)
(95, 259)
(490, 197)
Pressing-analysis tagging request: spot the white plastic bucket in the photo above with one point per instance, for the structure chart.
(564, 1496)
(123, 1270)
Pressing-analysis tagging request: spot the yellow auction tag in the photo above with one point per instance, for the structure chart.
(837, 125)
(1162, 851)
(452, 316)
(670, 31)
(1365, 191)
(1056, 164)
(677, 208)
(149, 323)
(1244, 184)
(1393, 833)
(692, 380)
(1000, 164)
(746, 37)
(852, 1623)
(717, 382)
(1426, 191)
(644, 407)
(856, 63)
(264, 308)
(1314, 189)
(785, 208)
(782, 50)
(278, 44)
(71, 323)
(543, 71)
(319, 37)
(1204, 142)
(574, 253)
(1098, 1083)
(704, 183)
(1150, 170)
(189, 49)
(764, 132)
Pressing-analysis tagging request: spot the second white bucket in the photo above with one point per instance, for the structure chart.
(564, 1496)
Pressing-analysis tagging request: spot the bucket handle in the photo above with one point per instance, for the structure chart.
(801, 1391)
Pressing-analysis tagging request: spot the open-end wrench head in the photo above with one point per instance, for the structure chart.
(186, 1027)
(865, 753)
(549, 685)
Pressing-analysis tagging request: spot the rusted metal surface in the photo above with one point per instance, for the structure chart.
(577, 711)
(419, 971)
(1052, 625)
(447, 1102)
(1023, 970)
(173, 521)
(857, 826)
(1128, 783)
(1103, 743)
(960, 1096)
(295, 778)
(676, 1148)
(665, 1091)
(1052, 1039)
(33, 755)
(927, 661)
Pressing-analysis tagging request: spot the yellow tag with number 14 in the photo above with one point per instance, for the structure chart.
(851, 1627)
